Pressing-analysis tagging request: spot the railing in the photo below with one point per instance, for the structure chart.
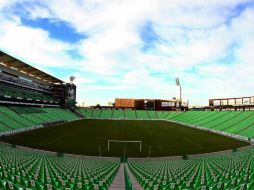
(239, 137)
(21, 130)
(16, 131)
(128, 184)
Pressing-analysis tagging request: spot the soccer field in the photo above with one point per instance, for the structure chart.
(88, 137)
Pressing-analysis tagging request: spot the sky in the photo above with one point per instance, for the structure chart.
(136, 48)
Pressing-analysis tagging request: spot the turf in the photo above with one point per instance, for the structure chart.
(85, 136)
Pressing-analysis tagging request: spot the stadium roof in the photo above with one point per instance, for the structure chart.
(12, 62)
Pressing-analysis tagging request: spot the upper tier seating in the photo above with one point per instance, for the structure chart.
(27, 169)
(217, 172)
(16, 117)
(18, 93)
(23, 82)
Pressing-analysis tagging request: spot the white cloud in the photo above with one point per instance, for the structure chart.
(33, 45)
(192, 38)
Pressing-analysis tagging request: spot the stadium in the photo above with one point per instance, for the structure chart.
(42, 131)
(51, 140)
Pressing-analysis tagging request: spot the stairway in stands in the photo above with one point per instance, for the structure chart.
(119, 183)
(77, 113)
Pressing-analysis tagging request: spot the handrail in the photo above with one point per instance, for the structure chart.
(128, 184)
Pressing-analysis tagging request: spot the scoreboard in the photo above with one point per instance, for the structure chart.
(149, 104)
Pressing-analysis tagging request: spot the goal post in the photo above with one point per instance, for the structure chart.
(119, 141)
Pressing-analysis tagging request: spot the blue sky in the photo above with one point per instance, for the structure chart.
(135, 49)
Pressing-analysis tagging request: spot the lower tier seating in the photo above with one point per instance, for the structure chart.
(27, 169)
(229, 171)
(16, 117)
(234, 122)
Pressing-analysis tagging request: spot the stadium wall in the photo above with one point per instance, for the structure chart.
(147, 104)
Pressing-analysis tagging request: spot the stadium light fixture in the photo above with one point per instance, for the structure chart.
(180, 88)
(72, 78)
(177, 82)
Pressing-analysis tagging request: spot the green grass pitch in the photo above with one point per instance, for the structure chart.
(85, 137)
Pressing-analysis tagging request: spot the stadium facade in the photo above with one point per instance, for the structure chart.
(237, 103)
(147, 104)
(22, 84)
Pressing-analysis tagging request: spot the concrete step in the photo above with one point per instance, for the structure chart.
(118, 182)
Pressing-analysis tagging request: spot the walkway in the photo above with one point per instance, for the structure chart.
(119, 183)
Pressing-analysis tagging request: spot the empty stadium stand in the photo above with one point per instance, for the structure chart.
(233, 122)
(22, 168)
(130, 114)
(225, 171)
(119, 114)
(18, 117)
(142, 114)
(86, 112)
(106, 114)
(30, 169)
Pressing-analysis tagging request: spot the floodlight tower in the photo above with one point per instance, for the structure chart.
(70, 94)
(180, 90)
(72, 78)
